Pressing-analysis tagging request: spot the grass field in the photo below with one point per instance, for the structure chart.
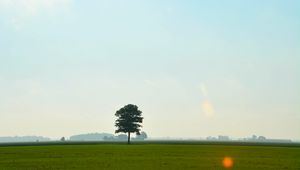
(147, 156)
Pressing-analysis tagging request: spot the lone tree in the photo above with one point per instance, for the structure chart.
(129, 119)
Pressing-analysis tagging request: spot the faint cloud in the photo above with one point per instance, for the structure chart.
(151, 83)
(18, 11)
(29, 87)
(32, 7)
(203, 89)
(169, 10)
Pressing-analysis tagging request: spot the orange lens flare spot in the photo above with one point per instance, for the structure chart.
(227, 162)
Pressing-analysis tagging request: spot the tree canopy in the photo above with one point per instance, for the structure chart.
(129, 120)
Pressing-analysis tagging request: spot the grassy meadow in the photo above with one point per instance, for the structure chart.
(147, 156)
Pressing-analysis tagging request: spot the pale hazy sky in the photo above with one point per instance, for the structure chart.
(195, 68)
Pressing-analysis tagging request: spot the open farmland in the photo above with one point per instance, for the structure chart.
(148, 156)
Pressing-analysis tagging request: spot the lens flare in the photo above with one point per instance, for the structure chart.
(206, 105)
(207, 108)
(227, 162)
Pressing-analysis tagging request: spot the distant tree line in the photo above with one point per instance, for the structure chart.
(106, 137)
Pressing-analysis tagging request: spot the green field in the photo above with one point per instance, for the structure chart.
(147, 156)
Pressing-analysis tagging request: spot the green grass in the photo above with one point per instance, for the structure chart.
(147, 156)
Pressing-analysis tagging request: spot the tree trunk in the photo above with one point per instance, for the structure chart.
(128, 141)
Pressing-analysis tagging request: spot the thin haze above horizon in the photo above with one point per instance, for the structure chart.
(195, 68)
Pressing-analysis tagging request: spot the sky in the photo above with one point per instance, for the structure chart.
(194, 68)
